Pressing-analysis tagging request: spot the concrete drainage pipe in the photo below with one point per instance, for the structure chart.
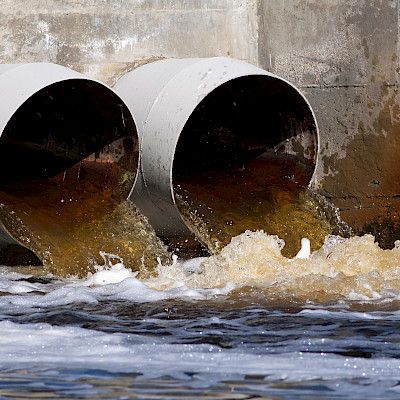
(57, 125)
(202, 122)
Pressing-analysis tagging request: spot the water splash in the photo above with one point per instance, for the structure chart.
(67, 224)
(268, 193)
(112, 271)
(354, 269)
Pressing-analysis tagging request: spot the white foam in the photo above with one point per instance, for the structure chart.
(72, 347)
(110, 283)
(114, 274)
(353, 268)
(305, 250)
(344, 314)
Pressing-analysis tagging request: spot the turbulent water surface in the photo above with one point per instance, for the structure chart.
(248, 323)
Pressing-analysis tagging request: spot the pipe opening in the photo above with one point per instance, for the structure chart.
(64, 124)
(69, 158)
(243, 160)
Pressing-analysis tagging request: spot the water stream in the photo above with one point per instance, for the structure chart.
(110, 315)
(248, 323)
(68, 219)
(268, 193)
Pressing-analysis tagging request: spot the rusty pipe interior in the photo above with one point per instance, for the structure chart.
(246, 153)
(68, 155)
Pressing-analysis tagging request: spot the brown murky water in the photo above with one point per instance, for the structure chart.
(269, 193)
(68, 219)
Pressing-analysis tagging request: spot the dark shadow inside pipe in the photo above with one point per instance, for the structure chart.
(251, 143)
(73, 138)
(61, 125)
(244, 119)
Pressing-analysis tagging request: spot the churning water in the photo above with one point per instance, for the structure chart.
(269, 192)
(245, 324)
(69, 219)
(111, 315)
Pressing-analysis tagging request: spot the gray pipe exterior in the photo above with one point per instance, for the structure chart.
(161, 97)
(18, 82)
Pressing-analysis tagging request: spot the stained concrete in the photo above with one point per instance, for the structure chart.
(343, 54)
(105, 38)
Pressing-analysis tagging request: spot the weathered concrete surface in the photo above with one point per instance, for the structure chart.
(104, 38)
(330, 42)
(345, 57)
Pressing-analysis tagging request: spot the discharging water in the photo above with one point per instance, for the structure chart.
(268, 193)
(246, 324)
(68, 219)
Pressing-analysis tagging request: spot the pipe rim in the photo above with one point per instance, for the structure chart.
(42, 76)
(66, 75)
(154, 193)
(175, 137)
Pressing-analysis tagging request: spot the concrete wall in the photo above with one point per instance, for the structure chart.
(344, 54)
(104, 38)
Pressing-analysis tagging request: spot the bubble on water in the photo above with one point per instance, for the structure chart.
(330, 243)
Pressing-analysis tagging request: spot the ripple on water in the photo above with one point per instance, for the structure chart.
(263, 326)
